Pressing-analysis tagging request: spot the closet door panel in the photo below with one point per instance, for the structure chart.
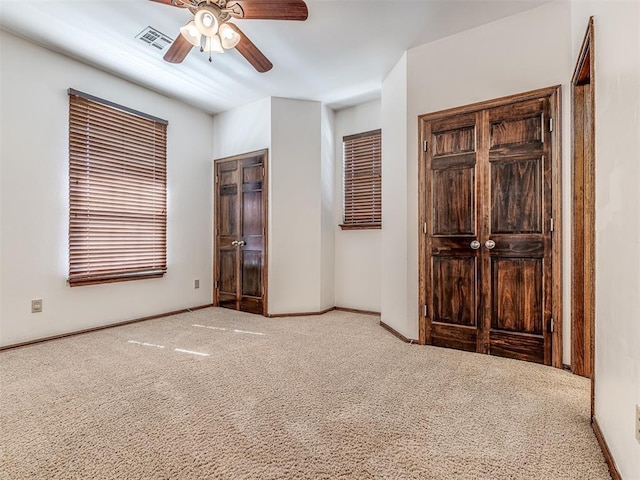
(517, 267)
(452, 222)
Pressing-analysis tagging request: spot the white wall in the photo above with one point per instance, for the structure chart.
(617, 87)
(295, 199)
(498, 59)
(242, 130)
(328, 296)
(357, 252)
(34, 199)
(398, 302)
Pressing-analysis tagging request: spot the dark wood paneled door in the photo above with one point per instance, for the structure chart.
(452, 228)
(240, 233)
(487, 245)
(517, 232)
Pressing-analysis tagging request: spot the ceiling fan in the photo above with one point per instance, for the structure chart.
(211, 31)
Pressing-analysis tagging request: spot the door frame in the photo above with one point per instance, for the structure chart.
(265, 212)
(583, 285)
(555, 100)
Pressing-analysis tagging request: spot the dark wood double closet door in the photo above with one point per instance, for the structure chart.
(240, 233)
(486, 253)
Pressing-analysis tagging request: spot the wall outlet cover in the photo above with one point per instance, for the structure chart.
(36, 306)
(196, 284)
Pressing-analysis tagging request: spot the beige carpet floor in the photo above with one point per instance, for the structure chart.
(220, 394)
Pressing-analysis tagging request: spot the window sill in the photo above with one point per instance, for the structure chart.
(361, 226)
(78, 282)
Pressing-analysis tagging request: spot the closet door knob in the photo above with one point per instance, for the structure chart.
(490, 244)
(475, 245)
(234, 243)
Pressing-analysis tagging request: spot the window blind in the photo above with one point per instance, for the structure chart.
(117, 192)
(362, 181)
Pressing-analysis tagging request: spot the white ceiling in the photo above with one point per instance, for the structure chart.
(339, 56)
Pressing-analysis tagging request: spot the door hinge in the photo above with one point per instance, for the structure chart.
(552, 325)
(217, 284)
(424, 311)
(551, 226)
(551, 124)
(262, 172)
(424, 228)
(217, 178)
(425, 145)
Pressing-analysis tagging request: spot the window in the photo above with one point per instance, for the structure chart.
(117, 192)
(362, 182)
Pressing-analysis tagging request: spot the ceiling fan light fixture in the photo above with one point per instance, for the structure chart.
(191, 34)
(228, 36)
(213, 45)
(206, 21)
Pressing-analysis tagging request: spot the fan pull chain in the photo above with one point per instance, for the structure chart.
(202, 50)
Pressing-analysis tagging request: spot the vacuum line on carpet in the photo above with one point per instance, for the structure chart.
(181, 350)
(226, 329)
(144, 344)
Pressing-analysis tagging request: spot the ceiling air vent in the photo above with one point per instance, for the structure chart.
(156, 39)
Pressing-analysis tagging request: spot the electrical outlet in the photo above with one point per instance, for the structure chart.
(36, 306)
(638, 422)
(196, 284)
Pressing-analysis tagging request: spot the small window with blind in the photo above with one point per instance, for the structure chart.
(117, 192)
(362, 181)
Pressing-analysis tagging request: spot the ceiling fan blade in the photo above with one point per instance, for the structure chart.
(173, 3)
(270, 9)
(249, 51)
(178, 50)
